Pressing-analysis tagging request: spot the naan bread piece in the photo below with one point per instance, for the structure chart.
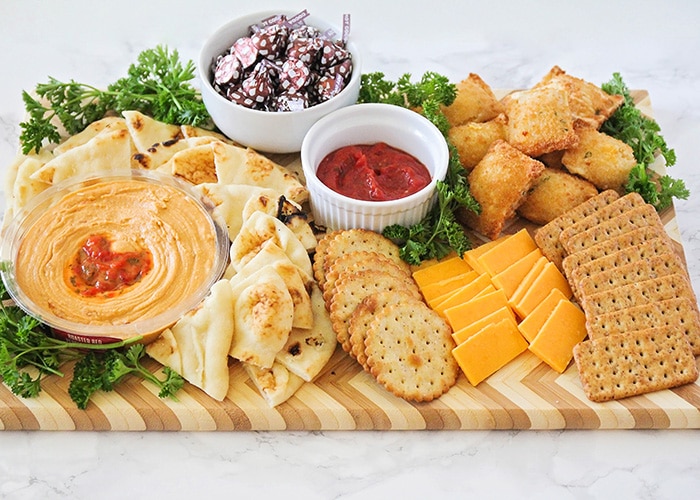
(94, 128)
(295, 279)
(188, 131)
(307, 351)
(288, 212)
(109, 151)
(261, 227)
(230, 201)
(19, 184)
(276, 385)
(263, 312)
(236, 165)
(197, 345)
(194, 164)
(146, 132)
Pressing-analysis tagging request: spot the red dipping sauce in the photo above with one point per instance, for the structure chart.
(98, 269)
(373, 172)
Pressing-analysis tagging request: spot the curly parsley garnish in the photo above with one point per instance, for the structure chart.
(28, 354)
(158, 85)
(642, 134)
(439, 233)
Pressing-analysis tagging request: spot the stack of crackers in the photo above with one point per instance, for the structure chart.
(642, 316)
(379, 317)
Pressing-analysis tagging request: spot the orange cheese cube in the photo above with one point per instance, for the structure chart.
(531, 325)
(549, 278)
(509, 279)
(565, 327)
(488, 350)
(440, 288)
(499, 314)
(527, 281)
(472, 256)
(508, 251)
(462, 295)
(475, 309)
(434, 273)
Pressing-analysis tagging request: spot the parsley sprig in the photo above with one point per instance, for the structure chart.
(642, 134)
(439, 233)
(28, 354)
(157, 85)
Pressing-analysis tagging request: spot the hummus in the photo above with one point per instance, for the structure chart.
(157, 236)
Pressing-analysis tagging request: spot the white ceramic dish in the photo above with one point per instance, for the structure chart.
(271, 132)
(369, 124)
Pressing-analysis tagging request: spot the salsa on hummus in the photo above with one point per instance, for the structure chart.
(373, 172)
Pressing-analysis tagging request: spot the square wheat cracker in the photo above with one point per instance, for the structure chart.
(547, 237)
(679, 313)
(634, 363)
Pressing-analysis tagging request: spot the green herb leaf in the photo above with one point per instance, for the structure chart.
(642, 134)
(157, 85)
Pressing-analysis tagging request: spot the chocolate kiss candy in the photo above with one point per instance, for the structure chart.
(234, 94)
(228, 69)
(294, 75)
(291, 101)
(270, 40)
(246, 51)
(258, 85)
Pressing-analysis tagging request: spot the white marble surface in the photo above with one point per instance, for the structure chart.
(655, 45)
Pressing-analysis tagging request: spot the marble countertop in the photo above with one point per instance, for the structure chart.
(510, 44)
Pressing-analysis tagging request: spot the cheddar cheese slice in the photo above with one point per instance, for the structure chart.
(495, 317)
(437, 289)
(488, 350)
(549, 278)
(509, 279)
(531, 325)
(440, 271)
(461, 295)
(506, 252)
(472, 256)
(565, 327)
(475, 309)
(527, 281)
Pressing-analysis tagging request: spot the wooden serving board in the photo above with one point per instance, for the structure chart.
(525, 394)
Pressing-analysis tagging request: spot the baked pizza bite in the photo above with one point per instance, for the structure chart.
(539, 121)
(500, 183)
(472, 140)
(600, 158)
(589, 104)
(474, 102)
(554, 193)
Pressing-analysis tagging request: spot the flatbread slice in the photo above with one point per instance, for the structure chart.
(261, 227)
(307, 351)
(263, 312)
(276, 385)
(197, 345)
(235, 165)
(108, 151)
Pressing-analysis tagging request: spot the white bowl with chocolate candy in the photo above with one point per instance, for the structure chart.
(267, 77)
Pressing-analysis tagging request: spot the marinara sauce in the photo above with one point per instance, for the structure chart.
(373, 172)
(97, 269)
